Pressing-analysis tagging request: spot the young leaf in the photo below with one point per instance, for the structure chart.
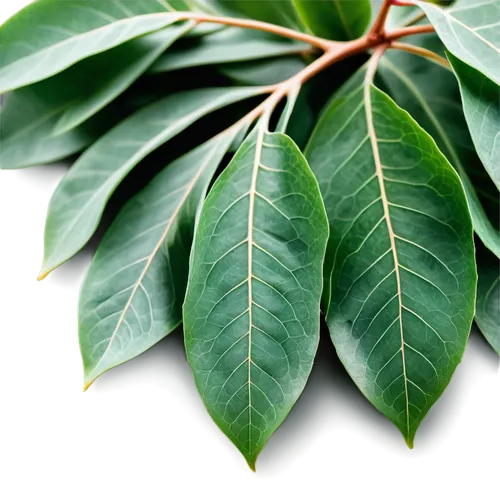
(435, 108)
(251, 315)
(488, 298)
(335, 19)
(229, 45)
(67, 32)
(78, 202)
(481, 102)
(114, 71)
(470, 32)
(132, 295)
(400, 261)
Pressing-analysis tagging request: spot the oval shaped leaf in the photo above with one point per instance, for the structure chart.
(229, 45)
(400, 261)
(115, 71)
(481, 102)
(435, 108)
(133, 293)
(67, 32)
(335, 19)
(251, 316)
(78, 202)
(470, 32)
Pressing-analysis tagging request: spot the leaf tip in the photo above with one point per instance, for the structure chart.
(43, 274)
(251, 464)
(87, 384)
(409, 442)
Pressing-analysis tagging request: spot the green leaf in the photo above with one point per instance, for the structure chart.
(470, 32)
(488, 298)
(67, 32)
(335, 19)
(133, 293)
(116, 70)
(29, 115)
(251, 315)
(229, 45)
(280, 12)
(266, 72)
(481, 102)
(435, 107)
(400, 268)
(78, 202)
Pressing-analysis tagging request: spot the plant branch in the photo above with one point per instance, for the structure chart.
(420, 51)
(321, 43)
(379, 23)
(416, 18)
(409, 31)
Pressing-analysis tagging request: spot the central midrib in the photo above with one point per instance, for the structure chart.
(383, 194)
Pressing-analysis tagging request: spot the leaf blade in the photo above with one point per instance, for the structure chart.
(400, 305)
(261, 327)
(72, 220)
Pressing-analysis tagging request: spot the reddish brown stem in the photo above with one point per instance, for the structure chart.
(410, 30)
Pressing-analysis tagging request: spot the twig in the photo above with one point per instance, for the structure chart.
(379, 23)
(410, 30)
(420, 51)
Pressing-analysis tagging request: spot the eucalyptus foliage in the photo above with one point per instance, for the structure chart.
(266, 164)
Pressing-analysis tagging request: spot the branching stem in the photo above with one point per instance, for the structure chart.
(420, 51)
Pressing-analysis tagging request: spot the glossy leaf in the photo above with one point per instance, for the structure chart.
(335, 19)
(436, 108)
(280, 12)
(114, 71)
(133, 293)
(67, 32)
(251, 316)
(481, 102)
(488, 298)
(399, 273)
(470, 32)
(78, 202)
(29, 115)
(229, 45)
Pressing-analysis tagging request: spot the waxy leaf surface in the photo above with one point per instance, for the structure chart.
(226, 46)
(471, 31)
(67, 32)
(114, 71)
(436, 108)
(399, 272)
(133, 293)
(481, 102)
(335, 19)
(78, 202)
(251, 316)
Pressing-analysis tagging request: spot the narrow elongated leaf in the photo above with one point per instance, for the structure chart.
(488, 298)
(470, 32)
(133, 293)
(481, 101)
(67, 32)
(335, 19)
(229, 45)
(435, 108)
(280, 12)
(400, 265)
(29, 115)
(114, 71)
(251, 315)
(78, 202)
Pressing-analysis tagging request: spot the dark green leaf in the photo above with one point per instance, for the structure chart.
(229, 45)
(335, 19)
(481, 102)
(251, 314)
(114, 71)
(470, 32)
(488, 297)
(67, 32)
(399, 273)
(132, 295)
(436, 108)
(78, 203)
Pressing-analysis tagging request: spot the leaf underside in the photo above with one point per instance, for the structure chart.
(251, 315)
